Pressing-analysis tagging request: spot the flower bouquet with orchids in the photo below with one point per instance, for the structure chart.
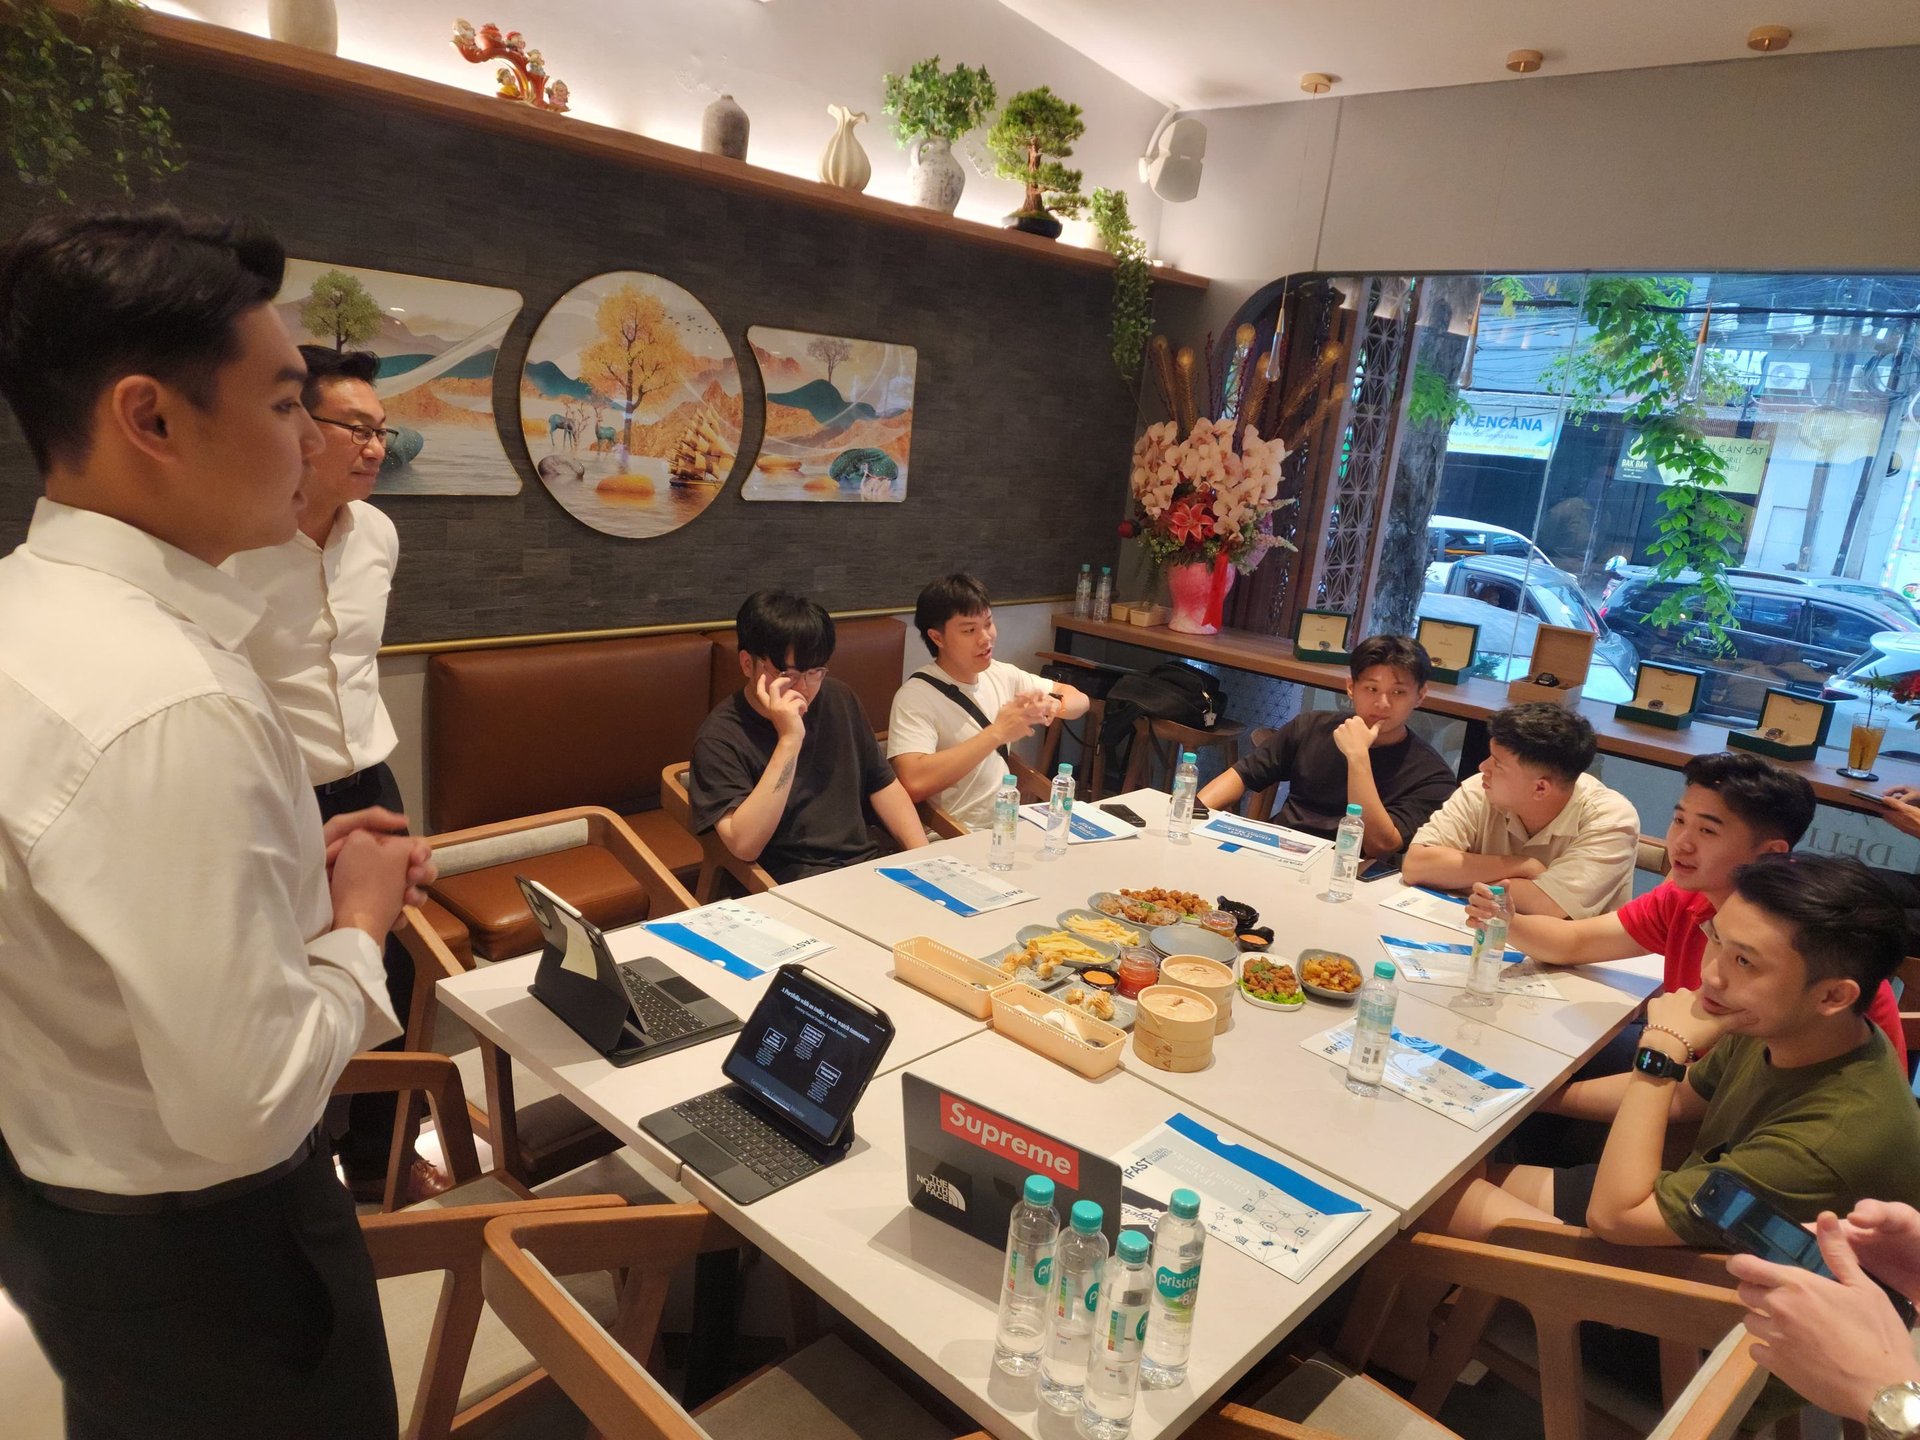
(1204, 506)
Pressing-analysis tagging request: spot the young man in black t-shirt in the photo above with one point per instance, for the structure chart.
(1368, 758)
(787, 771)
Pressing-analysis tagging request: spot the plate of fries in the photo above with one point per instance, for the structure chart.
(1101, 929)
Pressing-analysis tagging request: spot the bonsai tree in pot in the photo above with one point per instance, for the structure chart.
(1132, 281)
(1032, 136)
(930, 111)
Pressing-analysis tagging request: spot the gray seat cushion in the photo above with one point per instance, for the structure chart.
(1322, 1394)
(825, 1392)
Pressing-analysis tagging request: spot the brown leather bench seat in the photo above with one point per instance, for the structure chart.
(524, 730)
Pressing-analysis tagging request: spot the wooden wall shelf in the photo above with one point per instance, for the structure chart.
(216, 47)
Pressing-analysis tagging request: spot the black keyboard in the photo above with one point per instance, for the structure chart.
(665, 1019)
(733, 1125)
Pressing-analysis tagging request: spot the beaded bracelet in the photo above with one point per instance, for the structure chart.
(1693, 1056)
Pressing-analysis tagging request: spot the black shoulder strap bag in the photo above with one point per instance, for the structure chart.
(959, 697)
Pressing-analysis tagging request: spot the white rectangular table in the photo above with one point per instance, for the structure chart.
(493, 999)
(930, 1294)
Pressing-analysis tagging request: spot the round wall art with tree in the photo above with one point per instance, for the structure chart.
(630, 404)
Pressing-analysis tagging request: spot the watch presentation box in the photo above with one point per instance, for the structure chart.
(1663, 696)
(1792, 727)
(1320, 637)
(1450, 645)
(1557, 669)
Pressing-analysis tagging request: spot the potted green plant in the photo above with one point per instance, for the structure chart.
(1132, 280)
(1032, 136)
(930, 110)
(78, 99)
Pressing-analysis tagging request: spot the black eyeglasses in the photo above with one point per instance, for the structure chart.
(363, 435)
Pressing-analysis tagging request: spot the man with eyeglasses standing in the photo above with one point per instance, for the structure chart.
(325, 593)
(787, 771)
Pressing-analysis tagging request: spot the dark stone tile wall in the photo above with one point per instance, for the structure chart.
(1021, 427)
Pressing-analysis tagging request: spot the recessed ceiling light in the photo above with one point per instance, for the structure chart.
(1314, 83)
(1524, 62)
(1768, 38)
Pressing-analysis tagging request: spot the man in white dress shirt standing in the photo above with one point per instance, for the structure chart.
(187, 959)
(317, 647)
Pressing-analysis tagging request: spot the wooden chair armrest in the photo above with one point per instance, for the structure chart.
(435, 1076)
(665, 895)
(939, 821)
(1611, 1294)
(1238, 1422)
(410, 1241)
(673, 793)
(1572, 1242)
(1725, 1394)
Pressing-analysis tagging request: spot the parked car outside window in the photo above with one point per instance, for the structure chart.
(1543, 593)
(1450, 538)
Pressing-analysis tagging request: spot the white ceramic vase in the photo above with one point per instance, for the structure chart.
(844, 163)
(934, 177)
(310, 24)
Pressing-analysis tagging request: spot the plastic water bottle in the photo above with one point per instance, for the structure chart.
(1083, 593)
(1178, 1241)
(1372, 1031)
(1103, 594)
(1489, 952)
(1186, 784)
(1006, 824)
(1078, 1267)
(1059, 812)
(1346, 855)
(1120, 1324)
(1032, 1234)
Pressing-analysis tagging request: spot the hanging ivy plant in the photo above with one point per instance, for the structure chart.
(1642, 348)
(1132, 279)
(76, 92)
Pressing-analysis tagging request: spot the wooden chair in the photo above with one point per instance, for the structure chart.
(550, 1136)
(715, 859)
(1561, 1275)
(823, 1390)
(1332, 1405)
(455, 1367)
(1651, 856)
(1150, 735)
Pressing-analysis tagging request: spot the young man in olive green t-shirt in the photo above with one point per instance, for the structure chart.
(1797, 1093)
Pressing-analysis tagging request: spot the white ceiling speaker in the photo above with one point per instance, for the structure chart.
(1175, 154)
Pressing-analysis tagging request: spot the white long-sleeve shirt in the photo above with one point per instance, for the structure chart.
(318, 645)
(174, 1008)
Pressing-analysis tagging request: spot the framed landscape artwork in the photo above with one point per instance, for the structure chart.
(839, 417)
(630, 404)
(437, 341)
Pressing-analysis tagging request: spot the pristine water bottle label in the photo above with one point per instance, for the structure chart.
(1093, 1296)
(1043, 1271)
(1176, 1287)
(1140, 1330)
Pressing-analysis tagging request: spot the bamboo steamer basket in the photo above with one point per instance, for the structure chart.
(1179, 1056)
(1201, 976)
(1173, 1029)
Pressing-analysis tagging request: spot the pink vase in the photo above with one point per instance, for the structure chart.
(1199, 592)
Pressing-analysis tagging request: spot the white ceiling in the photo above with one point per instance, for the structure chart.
(1205, 54)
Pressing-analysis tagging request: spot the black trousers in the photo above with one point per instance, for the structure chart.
(362, 1126)
(255, 1319)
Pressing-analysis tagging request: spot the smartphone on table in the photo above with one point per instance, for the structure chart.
(1124, 812)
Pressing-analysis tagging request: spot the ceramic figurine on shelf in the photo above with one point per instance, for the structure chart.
(845, 164)
(524, 77)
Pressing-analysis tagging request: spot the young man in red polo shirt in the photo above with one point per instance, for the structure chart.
(1735, 808)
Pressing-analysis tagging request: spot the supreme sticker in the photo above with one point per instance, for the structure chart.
(996, 1134)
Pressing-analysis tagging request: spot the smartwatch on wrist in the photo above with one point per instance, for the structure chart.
(1895, 1413)
(1658, 1064)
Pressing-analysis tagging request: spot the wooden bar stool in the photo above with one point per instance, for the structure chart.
(1150, 736)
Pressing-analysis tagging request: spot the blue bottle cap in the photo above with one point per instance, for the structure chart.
(1383, 970)
(1038, 1191)
(1187, 757)
(1133, 1247)
(1086, 1216)
(1355, 810)
(1497, 889)
(1065, 768)
(1186, 1204)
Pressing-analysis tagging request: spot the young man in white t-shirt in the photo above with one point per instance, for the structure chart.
(951, 719)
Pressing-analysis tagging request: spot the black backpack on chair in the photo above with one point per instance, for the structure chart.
(1176, 690)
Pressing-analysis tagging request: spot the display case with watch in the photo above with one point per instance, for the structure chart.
(1895, 1413)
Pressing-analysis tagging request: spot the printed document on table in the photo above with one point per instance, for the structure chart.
(1438, 962)
(1249, 1198)
(1289, 847)
(740, 940)
(1085, 826)
(1436, 906)
(956, 885)
(1428, 1073)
